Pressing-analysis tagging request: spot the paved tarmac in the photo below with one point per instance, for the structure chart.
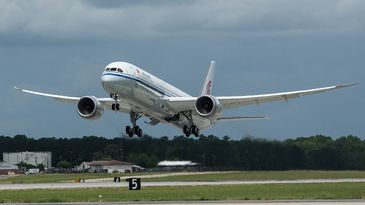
(304, 202)
(154, 184)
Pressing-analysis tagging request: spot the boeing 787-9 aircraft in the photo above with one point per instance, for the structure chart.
(135, 91)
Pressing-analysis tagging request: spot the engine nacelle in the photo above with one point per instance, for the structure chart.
(90, 108)
(208, 106)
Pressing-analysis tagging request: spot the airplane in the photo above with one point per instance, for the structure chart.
(135, 91)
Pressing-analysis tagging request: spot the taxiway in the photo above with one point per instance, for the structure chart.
(169, 183)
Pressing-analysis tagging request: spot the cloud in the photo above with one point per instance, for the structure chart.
(128, 19)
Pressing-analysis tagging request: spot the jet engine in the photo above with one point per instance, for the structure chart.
(90, 108)
(208, 106)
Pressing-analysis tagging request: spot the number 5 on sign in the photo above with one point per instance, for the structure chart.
(134, 183)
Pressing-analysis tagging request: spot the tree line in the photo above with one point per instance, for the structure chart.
(315, 152)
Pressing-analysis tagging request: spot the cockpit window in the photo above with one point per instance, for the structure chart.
(114, 70)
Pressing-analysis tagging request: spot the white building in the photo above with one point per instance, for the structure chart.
(166, 163)
(33, 158)
(178, 166)
(83, 166)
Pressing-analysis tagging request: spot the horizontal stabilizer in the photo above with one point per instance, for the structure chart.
(153, 121)
(222, 119)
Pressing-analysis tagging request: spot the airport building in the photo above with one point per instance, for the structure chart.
(109, 166)
(178, 166)
(8, 169)
(33, 158)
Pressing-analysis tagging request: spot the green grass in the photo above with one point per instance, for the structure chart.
(196, 193)
(264, 175)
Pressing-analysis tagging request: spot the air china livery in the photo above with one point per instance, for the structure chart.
(135, 91)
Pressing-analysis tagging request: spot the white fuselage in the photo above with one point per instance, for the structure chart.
(144, 91)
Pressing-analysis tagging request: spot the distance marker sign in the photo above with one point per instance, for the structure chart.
(134, 183)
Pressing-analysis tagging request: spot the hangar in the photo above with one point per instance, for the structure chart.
(8, 169)
(110, 166)
(33, 158)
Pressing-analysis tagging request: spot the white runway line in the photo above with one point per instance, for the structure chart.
(155, 184)
(157, 175)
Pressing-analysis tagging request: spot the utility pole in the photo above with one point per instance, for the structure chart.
(121, 149)
(213, 160)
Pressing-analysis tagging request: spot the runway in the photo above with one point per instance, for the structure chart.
(303, 202)
(156, 184)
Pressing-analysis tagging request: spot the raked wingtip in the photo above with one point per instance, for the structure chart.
(18, 88)
(346, 85)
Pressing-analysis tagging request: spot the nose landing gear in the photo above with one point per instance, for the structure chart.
(115, 106)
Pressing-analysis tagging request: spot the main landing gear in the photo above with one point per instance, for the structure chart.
(192, 129)
(135, 129)
(115, 106)
(188, 130)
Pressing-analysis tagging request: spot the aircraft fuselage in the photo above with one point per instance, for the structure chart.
(144, 91)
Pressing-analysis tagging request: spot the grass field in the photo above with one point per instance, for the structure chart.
(264, 175)
(183, 193)
(220, 176)
(233, 192)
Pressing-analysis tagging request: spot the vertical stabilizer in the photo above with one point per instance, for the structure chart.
(208, 84)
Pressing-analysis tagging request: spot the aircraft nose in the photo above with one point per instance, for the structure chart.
(105, 78)
(109, 82)
(113, 83)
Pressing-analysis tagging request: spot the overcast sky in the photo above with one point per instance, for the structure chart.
(260, 46)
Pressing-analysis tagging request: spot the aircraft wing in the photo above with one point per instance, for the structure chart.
(65, 99)
(237, 101)
(179, 104)
(105, 102)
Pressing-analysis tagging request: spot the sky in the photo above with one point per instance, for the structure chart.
(261, 46)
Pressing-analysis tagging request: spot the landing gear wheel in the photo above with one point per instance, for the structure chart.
(129, 131)
(139, 132)
(115, 106)
(136, 129)
(195, 130)
(187, 131)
